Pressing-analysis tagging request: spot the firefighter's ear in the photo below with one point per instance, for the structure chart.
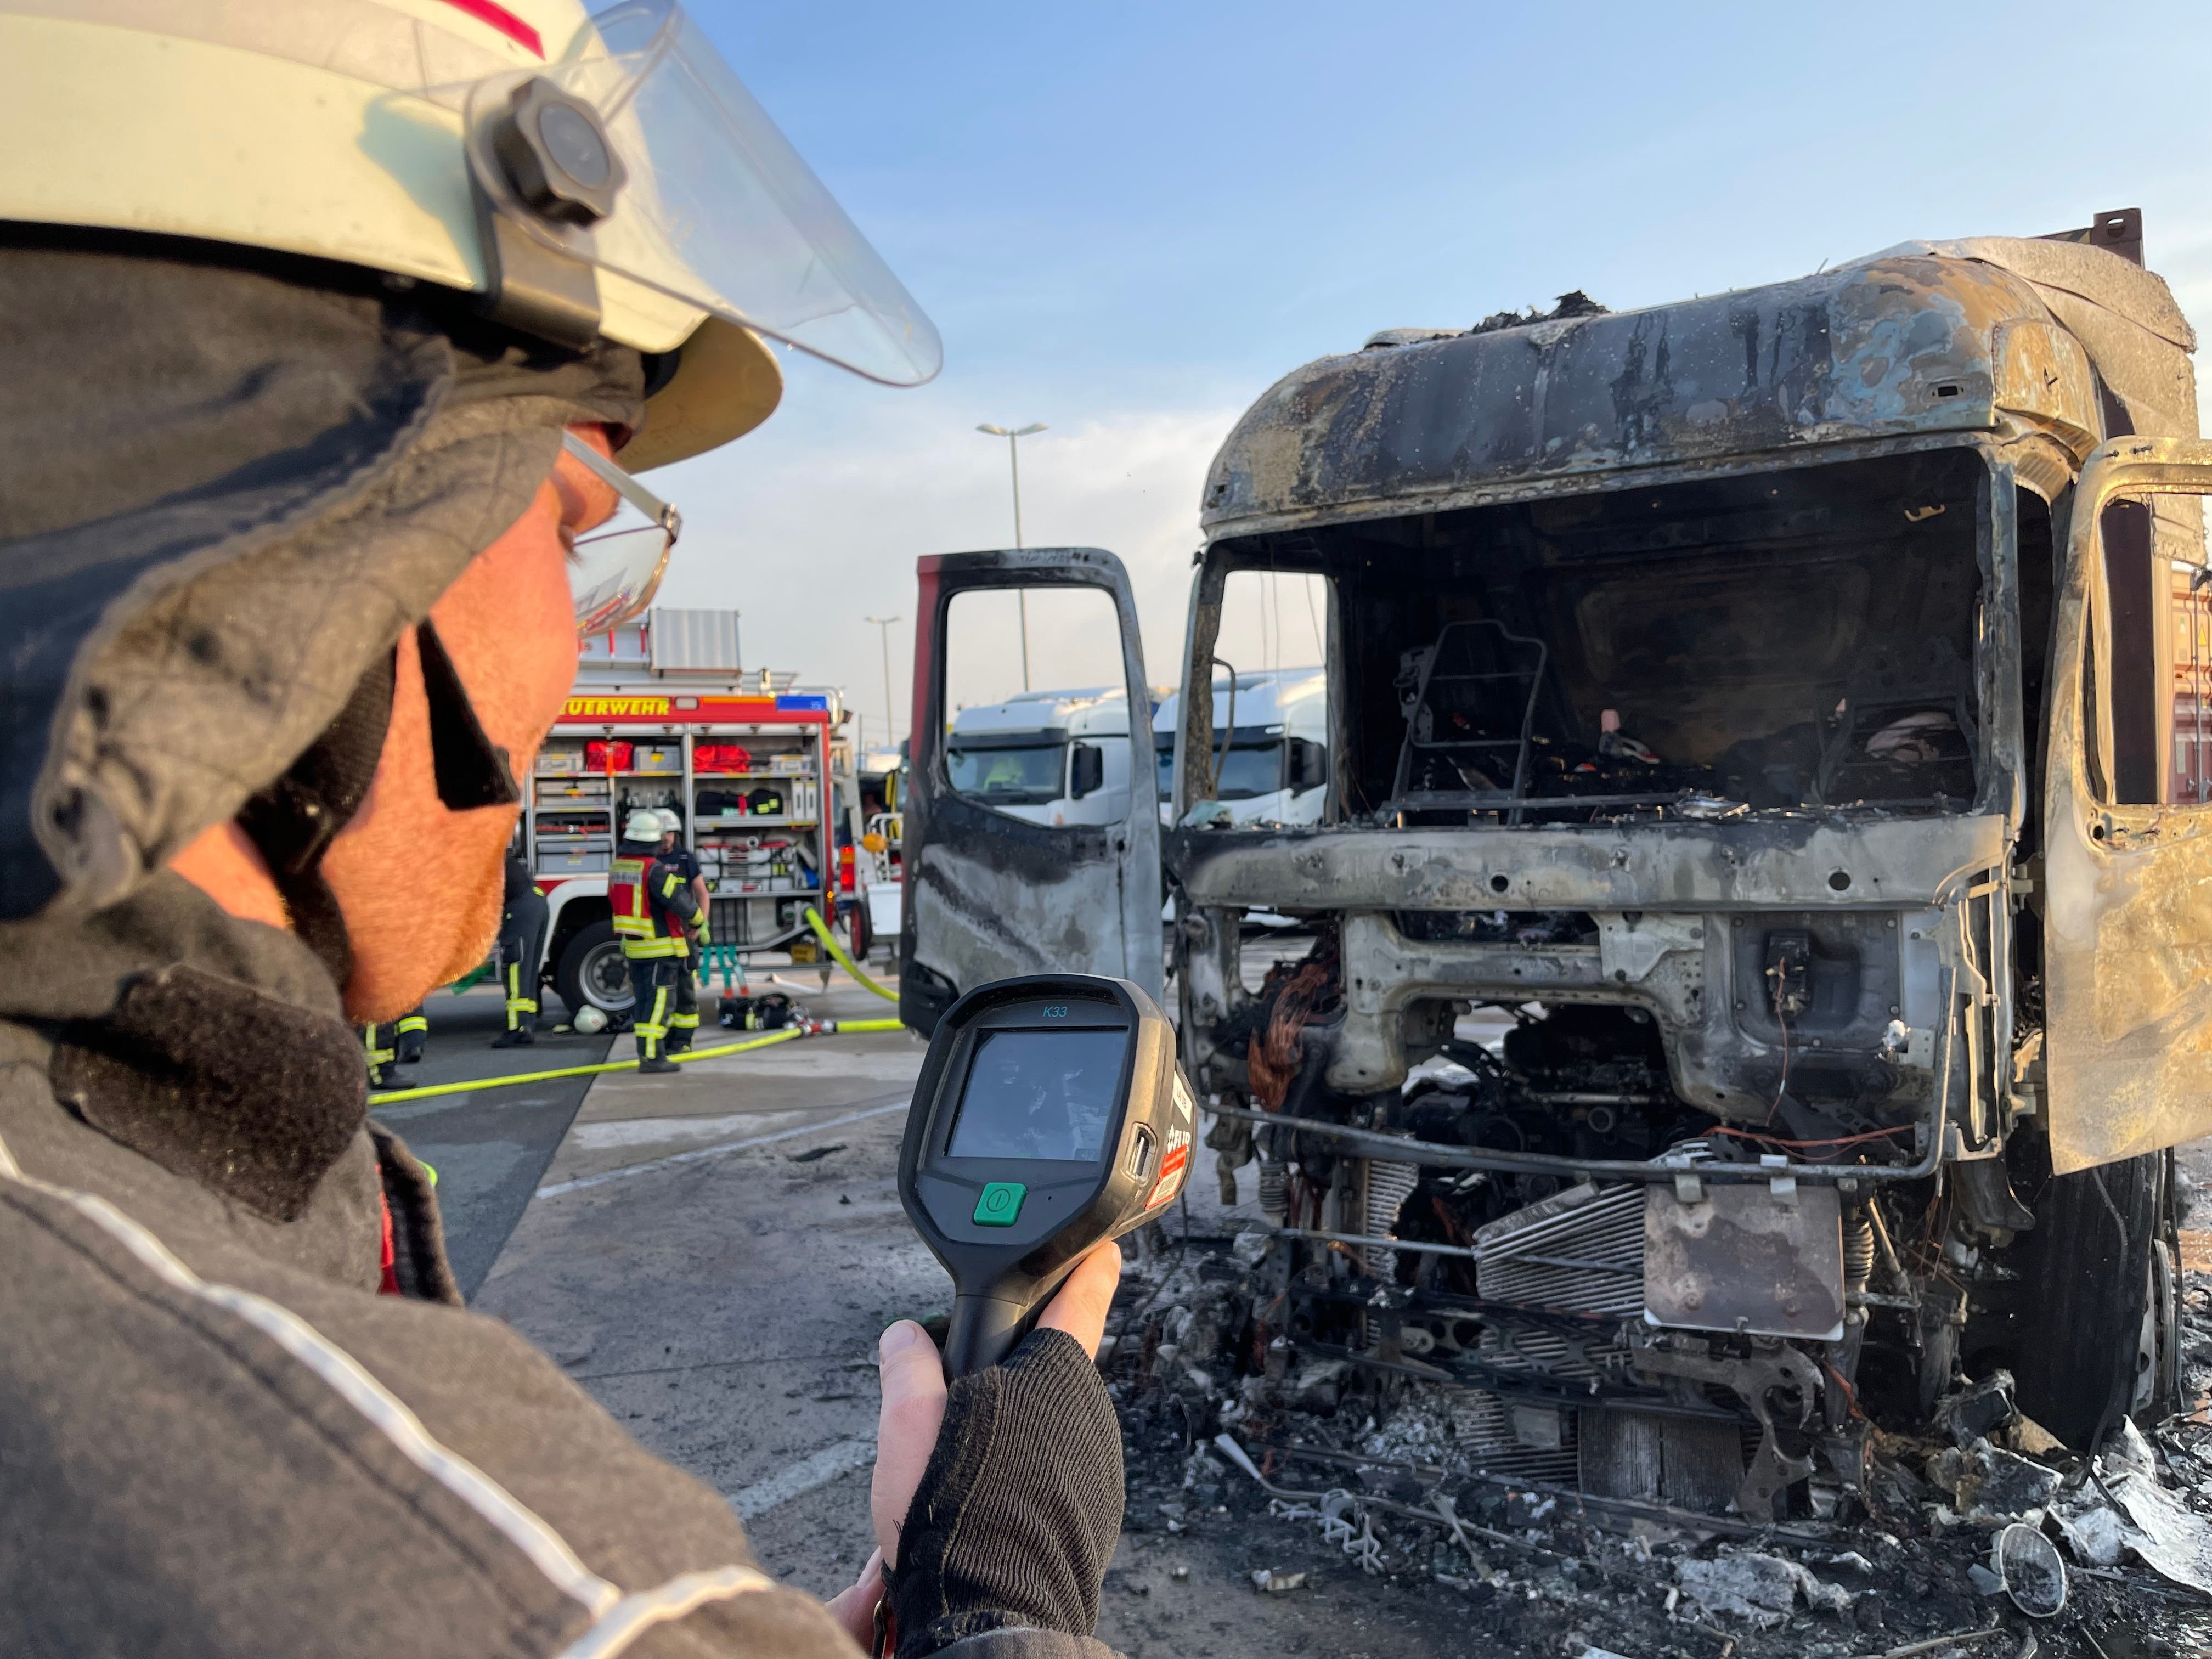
(471, 771)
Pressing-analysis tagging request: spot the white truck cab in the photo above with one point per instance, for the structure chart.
(1051, 757)
(1274, 756)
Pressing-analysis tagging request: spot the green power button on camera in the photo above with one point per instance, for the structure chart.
(1001, 1203)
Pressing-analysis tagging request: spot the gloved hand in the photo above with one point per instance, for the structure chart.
(706, 935)
(1020, 1505)
(1010, 1523)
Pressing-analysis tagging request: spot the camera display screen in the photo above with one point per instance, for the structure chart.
(1037, 1095)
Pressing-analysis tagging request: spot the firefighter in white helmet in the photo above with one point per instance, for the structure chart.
(683, 1017)
(335, 333)
(654, 914)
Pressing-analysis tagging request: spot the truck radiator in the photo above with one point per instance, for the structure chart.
(1534, 1443)
(1578, 1251)
(1387, 1185)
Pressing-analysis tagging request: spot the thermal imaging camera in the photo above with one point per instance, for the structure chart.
(1050, 1117)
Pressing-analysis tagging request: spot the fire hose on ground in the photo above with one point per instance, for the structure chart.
(803, 1029)
(837, 955)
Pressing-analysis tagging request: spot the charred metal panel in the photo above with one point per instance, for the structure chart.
(1886, 348)
(2127, 905)
(1797, 862)
(1753, 1259)
(2043, 378)
(1013, 910)
(2124, 317)
(1385, 972)
(989, 895)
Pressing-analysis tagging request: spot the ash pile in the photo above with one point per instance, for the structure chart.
(1504, 1395)
(1511, 1520)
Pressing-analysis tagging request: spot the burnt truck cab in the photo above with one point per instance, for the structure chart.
(1778, 713)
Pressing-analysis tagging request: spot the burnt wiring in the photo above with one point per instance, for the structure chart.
(1800, 1145)
(1228, 731)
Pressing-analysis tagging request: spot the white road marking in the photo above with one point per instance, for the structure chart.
(802, 1477)
(649, 1131)
(896, 1067)
(584, 1183)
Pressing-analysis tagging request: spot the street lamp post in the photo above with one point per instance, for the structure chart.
(891, 732)
(1014, 437)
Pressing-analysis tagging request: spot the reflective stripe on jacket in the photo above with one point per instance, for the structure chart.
(652, 903)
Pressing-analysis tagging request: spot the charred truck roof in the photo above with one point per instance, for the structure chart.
(1691, 673)
(1994, 335)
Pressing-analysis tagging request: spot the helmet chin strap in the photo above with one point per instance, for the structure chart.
(293, 822)
(471, 771)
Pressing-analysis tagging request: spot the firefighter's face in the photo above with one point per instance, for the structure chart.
(419, 884)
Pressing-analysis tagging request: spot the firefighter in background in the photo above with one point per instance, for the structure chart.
(672, 848)
(683, 1020)
(394, 1044)
(521, 944)
(653, 907)
(380, 1048)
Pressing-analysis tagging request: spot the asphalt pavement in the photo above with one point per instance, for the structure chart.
(489, 1146)
(713, 1256)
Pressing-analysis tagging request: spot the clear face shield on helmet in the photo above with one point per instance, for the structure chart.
(640, 154)
(626, 174)
(630, 154)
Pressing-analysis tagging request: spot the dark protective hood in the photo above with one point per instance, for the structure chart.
(230, 483)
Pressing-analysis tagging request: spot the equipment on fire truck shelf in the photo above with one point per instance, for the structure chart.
(1801, 785)
(662, 717)
(1050, 1117)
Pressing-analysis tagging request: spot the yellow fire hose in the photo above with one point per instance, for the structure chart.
(837, 955)
(822, 1028)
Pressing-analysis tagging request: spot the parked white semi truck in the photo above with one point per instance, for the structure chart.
(1055, 757)
(1270, 735)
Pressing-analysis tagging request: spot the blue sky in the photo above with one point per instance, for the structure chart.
(1129, 221)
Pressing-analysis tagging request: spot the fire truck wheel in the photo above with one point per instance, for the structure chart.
(592, 972)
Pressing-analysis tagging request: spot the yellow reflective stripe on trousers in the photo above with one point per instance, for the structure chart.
(655, 1027)
(414, 1023)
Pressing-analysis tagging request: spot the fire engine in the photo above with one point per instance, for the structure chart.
(663, 715)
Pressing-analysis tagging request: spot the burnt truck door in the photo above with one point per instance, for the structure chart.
(2128, 836)
(997, 882)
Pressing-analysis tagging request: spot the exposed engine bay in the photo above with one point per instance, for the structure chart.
(1707, 1339)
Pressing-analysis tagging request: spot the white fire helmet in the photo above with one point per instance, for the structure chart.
(588, 177)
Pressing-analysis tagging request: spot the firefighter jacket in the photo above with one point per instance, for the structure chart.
(221, 1438)
(652, 903)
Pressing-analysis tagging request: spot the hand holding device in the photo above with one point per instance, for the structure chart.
(1050, 1116)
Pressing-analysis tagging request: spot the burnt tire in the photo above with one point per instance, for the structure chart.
(593, 971)
(2088, 1284)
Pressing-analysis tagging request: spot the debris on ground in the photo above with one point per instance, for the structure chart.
(1315, 1472)
(1761, 1590)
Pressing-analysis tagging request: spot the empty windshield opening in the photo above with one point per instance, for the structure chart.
(1794, 639)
